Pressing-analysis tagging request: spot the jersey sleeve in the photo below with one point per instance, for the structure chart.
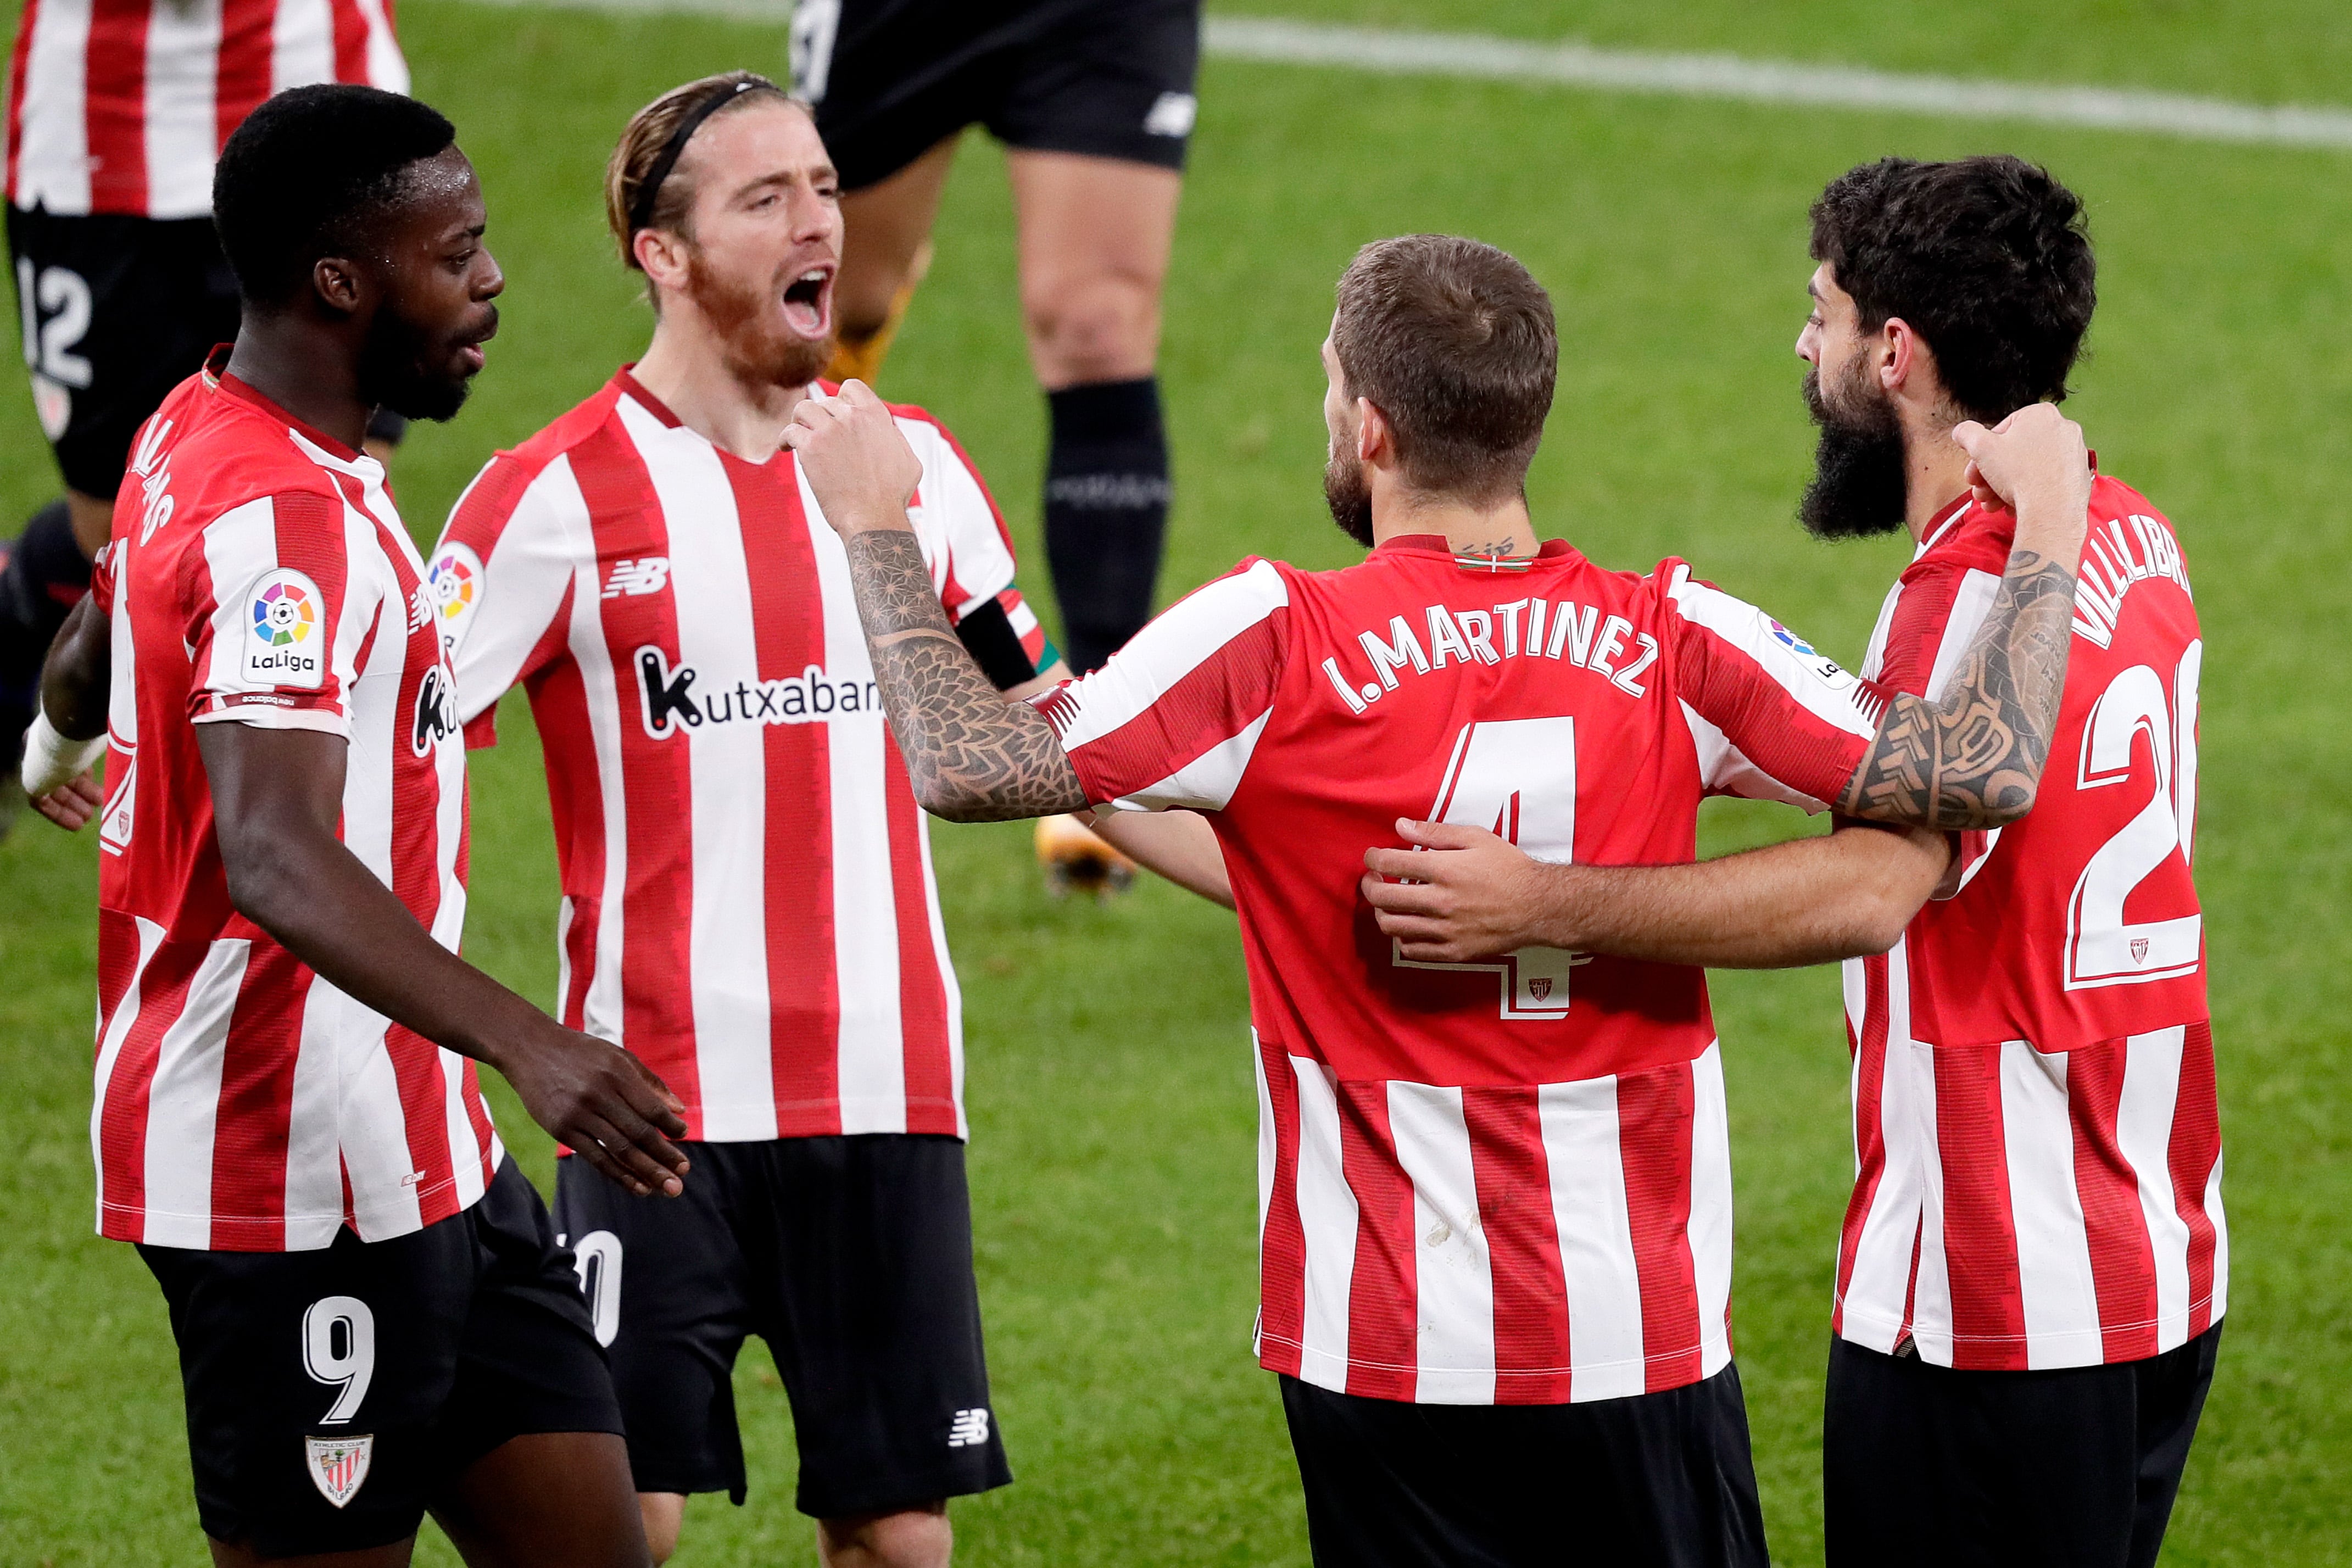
(1175, 716)
(502, 580)
(970, 552)
(275, 618)
(1773, 718)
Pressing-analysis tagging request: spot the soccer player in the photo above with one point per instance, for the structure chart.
(115, 113)
(1496, 1201)
(1093, 100)
(373, 1316)
(748, 901)
(2034, 1265)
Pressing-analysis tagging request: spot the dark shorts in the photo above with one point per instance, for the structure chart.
(852, 1257)
(1652, 1479)
(115, 312)
(333, 1395)
(2072, 1468)
(1111, 79)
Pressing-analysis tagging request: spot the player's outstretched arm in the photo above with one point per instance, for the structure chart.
(974, 757)
(1474, 895)
(1974, 759)
(278, 795)
(68, 731)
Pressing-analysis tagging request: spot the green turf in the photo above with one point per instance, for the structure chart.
(1111, 1080)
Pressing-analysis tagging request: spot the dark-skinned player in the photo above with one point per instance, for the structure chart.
(372, 1315)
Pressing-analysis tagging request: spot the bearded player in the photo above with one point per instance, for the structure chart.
(747, 901)
(375, 1317)
(2034, 1263)
(1497, 1213)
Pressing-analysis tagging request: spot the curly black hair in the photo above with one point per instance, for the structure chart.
(1989, 259)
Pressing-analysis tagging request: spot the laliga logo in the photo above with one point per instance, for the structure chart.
(283, 614)
(454, 584)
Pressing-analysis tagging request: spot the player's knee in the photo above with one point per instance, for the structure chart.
(1103, 329)
(910, 1538)
(664, 1516)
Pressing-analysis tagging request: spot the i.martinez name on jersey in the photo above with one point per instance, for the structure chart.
(259, 575)
(1500, 1182)
(748, 901)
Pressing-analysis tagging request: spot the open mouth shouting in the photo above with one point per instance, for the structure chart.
(808, 304)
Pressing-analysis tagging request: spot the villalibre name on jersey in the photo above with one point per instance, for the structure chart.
(2117, 556)
(670, 704)
(1526, 628)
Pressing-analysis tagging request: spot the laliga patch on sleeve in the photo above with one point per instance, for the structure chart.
(286, 632)
(453, 585)
(1825, 669)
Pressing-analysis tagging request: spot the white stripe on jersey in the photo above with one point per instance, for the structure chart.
(2053, 1251)
(1595, 1227)
(184, 1100)
(1750, 630)
(1328, 1217)
(1179, 642)
(53, 144)
(1710, 1208)
(181, 123)
(2144, 1112)
(314, 1156)
(1452, 1271)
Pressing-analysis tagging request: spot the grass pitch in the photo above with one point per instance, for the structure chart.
(1110, 1075)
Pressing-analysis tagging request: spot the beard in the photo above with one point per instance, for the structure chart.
(1349, 496)
(395, 370)
(1859, 485)
(758, 350)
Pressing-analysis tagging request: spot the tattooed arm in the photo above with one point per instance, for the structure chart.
(974, 757)
(1974, 759)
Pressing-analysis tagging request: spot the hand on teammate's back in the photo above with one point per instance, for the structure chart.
(857, 460)
(601, 1102)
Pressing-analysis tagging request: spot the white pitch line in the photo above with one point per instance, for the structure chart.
(1723, 78)
(1729, 77)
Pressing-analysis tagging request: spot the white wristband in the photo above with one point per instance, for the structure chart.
(51, 760)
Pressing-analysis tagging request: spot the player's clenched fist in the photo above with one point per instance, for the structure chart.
(858, 462)
(2035, 456)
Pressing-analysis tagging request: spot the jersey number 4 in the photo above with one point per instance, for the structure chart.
(2103, 948)
(1515, 777)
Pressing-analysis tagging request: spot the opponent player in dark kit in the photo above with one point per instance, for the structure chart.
(2034, 1265)
(1496, 1197)
(372, 1314)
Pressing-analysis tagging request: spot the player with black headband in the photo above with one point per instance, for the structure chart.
(374, 1315)
(748, 903)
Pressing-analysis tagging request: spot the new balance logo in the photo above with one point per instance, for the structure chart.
(644, 574)
(969, 1430)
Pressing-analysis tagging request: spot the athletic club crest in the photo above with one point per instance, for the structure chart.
(2140, 949)
(1539, 986)
(339, 1466)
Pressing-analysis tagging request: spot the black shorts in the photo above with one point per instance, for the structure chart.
(852, 1257)
(333, 1395)
(2072, 1468)
(115, 312)
(1651, 1479)
(1112, 79)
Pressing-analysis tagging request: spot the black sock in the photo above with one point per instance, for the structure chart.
(1106, 511)
(45, 576)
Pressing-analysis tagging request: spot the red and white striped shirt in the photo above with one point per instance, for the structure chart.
(259, 575)
(1504, 1182)
(747, 901)
(2038, 1156)
(121, 106)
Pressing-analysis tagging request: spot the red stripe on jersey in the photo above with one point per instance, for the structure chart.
(2195, 1149)
(803, 994)
(118, 957)
(1514, 1177)
(123, 1125)
(1979, 1225)
(242, 78)
(1384, 1348)
(1654, 1137)
(114, 105)
(922, 996)
(424, 1099)
(477, 1116)
(657, 912)
(26, 24)
(2123, 1262)
(254, 1121)
(1726, 686)
(1205, 709)
(1869, 1132)
(1282, 1248)
(352, 39)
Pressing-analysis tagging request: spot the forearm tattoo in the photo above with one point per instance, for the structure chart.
(1975, 759)
(974, 757)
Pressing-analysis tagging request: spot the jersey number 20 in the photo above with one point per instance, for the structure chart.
(1515, 777)
(2103, 948)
